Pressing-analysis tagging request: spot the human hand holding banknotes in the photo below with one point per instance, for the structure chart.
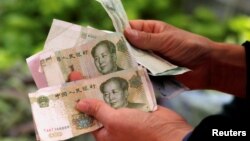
(123, 126)
(109, 66)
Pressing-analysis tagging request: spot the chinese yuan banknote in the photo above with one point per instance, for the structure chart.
(104, 55)
(155, 64)
(54, 110)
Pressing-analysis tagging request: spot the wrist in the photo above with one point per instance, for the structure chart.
(226, 61)
(230, 54)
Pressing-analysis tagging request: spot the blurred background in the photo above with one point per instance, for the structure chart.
(24, 26)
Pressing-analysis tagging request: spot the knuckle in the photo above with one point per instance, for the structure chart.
(147, 38)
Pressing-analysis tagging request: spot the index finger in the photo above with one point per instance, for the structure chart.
(150, 26)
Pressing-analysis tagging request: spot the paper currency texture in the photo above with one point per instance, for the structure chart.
(104, 55)
(155, 64)
(54, 110)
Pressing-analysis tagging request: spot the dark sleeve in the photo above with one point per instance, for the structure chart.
(237, 121)
(247, 49)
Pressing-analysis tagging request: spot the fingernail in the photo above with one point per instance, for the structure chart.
(82, 106)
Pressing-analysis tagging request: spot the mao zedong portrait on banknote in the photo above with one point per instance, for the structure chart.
(104, 54)
(115, 93)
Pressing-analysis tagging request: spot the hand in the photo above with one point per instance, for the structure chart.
(130, 124)
(214, 65)
(179, 46)
(175, 45)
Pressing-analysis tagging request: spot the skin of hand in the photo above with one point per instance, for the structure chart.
(176, 45)
(129, 124)
(214, 65)
(172, 43)
(182, 48)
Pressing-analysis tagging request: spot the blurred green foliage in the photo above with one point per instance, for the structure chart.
(24, 25)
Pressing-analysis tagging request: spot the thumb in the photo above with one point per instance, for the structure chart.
(96, 108)
(141, 39)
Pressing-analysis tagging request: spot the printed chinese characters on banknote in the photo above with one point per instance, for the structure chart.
(54, 110)
(155, 64)
(101, 56)
(106, 61)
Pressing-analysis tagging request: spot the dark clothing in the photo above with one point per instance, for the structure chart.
(232, 122)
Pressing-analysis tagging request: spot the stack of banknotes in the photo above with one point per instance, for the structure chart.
(112, 71)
